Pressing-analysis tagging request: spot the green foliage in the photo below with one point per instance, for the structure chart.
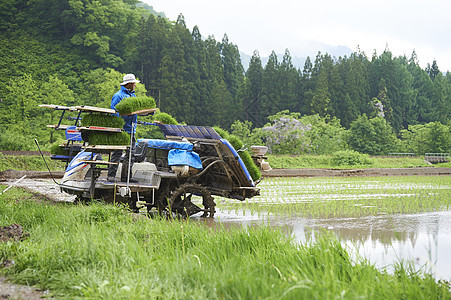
(254, 171)
(132, 104)
(99, 86)
(165, 118)
(28, 162)
(149, 132)
(326, 134)
(371, 136)
(439, 140)
(433, 137)
(350, 158)
(154, 132)
(102, 120)
(243, 131)
(11, 141)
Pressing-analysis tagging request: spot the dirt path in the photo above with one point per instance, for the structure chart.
(10, 290)
(50, 190)
(45, 187)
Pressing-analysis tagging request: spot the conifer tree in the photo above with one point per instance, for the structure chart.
(305, 85)
(288, 80)
(270, 103)
(252, 105)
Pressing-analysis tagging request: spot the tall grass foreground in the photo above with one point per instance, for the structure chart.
(102, 252)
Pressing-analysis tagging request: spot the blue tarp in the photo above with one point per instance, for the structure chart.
(180, 152)
(168, 145)
(177, 157)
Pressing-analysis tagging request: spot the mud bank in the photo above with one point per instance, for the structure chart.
(422, 171)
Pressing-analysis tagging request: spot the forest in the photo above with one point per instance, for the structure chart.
(75, 52)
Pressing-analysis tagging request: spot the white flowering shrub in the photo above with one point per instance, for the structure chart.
(377, 108)
(288, 133)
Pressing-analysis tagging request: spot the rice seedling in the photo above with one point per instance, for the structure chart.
(108, 138)
(57, 149)
(132, 104)
(120, 257)
(102, 120)
(254, 171)
(104, 138)
(350, 197)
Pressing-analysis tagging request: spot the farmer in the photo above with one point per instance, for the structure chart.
(127, 90)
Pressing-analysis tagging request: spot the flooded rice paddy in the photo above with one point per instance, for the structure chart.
(384, 219)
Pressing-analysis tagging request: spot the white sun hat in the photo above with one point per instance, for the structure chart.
(129, 78)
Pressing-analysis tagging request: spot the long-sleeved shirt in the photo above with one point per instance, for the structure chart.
(129, 120)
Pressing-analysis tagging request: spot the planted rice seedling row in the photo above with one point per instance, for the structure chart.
(354, 197)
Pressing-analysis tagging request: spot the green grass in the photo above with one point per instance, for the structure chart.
(28, 162)
(349, 196)
(444, 165)
(101, 252)
(326, 162)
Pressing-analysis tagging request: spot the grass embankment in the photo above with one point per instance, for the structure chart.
(101, 252)
(28, 162)
(326, 162)
(35, 163)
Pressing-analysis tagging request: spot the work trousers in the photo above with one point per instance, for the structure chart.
(116, 157)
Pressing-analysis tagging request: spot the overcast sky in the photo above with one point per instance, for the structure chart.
(305, 26)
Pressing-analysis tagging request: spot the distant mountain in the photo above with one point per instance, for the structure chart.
(150, 8)
(299, 56)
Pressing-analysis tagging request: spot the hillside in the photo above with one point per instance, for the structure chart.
(76, 52)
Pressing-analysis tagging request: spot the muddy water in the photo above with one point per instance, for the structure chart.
(421, 239)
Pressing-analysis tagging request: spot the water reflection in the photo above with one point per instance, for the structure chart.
(424, 239)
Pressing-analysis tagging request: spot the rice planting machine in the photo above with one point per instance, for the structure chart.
(176, 176)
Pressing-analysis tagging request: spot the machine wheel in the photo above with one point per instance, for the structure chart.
(81, 200)
(160, 201)
(180, 201)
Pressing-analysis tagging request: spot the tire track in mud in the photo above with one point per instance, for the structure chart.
(41, 188)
